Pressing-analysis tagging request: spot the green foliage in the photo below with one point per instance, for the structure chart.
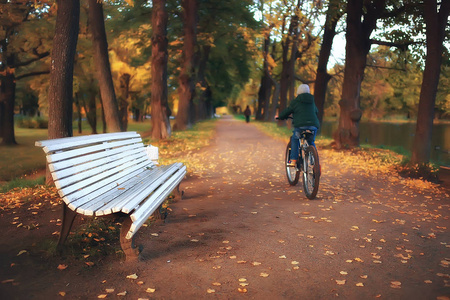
(21, 183)
(32, 123)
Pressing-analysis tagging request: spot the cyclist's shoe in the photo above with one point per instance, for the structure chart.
(292, 163)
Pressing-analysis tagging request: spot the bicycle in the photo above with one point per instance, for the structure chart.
(307, 164)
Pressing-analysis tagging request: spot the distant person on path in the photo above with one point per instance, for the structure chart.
(304, 113)
(247, 113)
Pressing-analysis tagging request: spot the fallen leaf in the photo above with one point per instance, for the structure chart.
(255, 263)
(243, 290)
(242, 279)
(62, 294)
(216, 284)
(210, 291)
(132, 276)
(89, 263)
(150, 290)
(340, 282)
(295, 262)
(109, 291)
(428, 281)
(360, 284)
(343, 273)
(363, 276)
(264, 275)
(8, 280)
(396, 284)
(62, 267)
(21, 252)
(102, 296)
(282, 256)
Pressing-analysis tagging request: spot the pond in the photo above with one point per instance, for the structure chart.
(399, 134)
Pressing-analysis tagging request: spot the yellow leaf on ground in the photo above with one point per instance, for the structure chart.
(62, 294)
(150, 290)
(102, 296)
(210, 291)
(132, 276)
(62, 267)
(216, 284)
(109, 291)
(343, 273)
(360, 284)
(255, 263)
(340, 282)
(124, 293)
(242, 290)
(264, 275)
(242, 279)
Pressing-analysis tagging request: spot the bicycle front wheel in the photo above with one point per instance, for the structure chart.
(311, 172)
(292, 173)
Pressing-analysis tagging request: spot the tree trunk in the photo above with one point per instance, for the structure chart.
(284, 80)
(61, 74)
(102, 66)
(186, 89)
(262, 112)
(160, 111)
(322, 77)
(356, 50)
(123, 99)
(7, 100)
(435, 32)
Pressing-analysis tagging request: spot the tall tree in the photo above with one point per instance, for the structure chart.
(60, 96)
(334, 13)
(186, 79)
(436, 19)
(15, 15)
(102, 66)
(61, 74)
(161, 128)
(362, 17)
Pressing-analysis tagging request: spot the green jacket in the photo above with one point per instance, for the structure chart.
(304, 111)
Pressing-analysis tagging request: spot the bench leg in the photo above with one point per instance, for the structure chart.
(68, 218)
(179, 193)
(128, 247)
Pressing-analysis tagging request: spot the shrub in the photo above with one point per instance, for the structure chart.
(32, 123)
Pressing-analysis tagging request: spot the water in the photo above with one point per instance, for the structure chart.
(399, 134)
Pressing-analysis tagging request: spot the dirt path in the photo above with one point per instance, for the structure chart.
(241, 232)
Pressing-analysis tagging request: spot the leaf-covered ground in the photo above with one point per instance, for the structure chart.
(242, 232)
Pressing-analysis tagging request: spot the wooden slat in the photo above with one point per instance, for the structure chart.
(103, 204)
(153, 203)
(55, 166)
(69, 142)
(100, 179)
(133, 200)
(82, 151)
(79, 197)
(87, 175)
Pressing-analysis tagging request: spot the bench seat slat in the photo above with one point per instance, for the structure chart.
(91, 172)
(143, 213)
(103, 204)
(69, 142)
(63, 164)
(134, 199)
(106, 175)
(82, 151)
(89, 192)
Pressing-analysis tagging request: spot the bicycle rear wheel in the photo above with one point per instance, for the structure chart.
(292, 173)
(311, 172)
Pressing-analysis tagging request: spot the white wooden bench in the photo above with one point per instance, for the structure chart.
(109, 174)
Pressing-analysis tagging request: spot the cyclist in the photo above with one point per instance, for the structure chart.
(304, 112)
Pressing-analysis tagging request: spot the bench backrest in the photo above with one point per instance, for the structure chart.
(87, 166)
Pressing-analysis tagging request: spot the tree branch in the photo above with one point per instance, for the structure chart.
(402, 46)
(32, 74)
(38, 57)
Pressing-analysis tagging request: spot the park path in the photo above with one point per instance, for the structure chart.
(241, 232)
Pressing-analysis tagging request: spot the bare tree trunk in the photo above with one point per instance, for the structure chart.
(322, 77)
(160, 115)
(7, 100)
(123, 100)
(185, 119)
(435, 32)
(61, 74)
(102, 66)
(357, 48)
